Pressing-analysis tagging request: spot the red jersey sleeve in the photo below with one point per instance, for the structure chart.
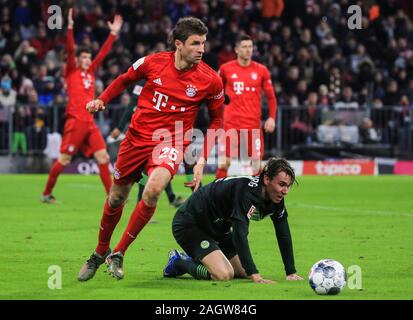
(215, 111)
(70, 50)
(135, 73)
(222, 74)
(269, 93)
(103, 52)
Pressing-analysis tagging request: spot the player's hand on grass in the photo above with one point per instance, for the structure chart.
(95, 105)
(198, 173)
(256, 277)
(269, 125)
(70, 22)
(294, 277)
(116, 25)
(115, 133)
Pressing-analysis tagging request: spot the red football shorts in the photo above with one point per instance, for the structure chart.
(133, 159)
(81, 136)
(241, 144)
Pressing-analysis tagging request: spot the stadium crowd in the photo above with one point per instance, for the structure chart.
(315, 60)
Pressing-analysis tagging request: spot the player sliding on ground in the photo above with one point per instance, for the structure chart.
(177, 84)
(212, 225)
(81, 132)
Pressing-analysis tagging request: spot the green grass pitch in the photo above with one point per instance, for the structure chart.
(364, 221)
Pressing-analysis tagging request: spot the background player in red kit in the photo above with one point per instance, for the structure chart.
(177, 83)
(243, 81)
(80, 132)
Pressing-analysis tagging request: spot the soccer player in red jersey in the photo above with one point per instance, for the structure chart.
(80, 131)
(243, 81)
(161, 129)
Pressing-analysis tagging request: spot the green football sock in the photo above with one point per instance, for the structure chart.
(198, 271)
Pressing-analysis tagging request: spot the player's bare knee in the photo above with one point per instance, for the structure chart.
(224, 274)
(116, 198)
(152, 192)
(102, 157)
(65, 159)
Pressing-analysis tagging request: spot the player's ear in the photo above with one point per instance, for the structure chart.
(266, 180)
(178, 44)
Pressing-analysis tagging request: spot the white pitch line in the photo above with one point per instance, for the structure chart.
(372, 212)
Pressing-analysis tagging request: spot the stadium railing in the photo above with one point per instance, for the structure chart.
(301, 133)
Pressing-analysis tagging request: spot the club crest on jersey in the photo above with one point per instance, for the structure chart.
(116, 174)
(254, 76)
(191, 90)
(87, 79)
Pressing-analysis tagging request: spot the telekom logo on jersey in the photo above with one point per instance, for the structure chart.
(238, 87)
(160, 99)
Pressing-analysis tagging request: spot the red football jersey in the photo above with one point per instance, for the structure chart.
(170, 98)
(244, 87)
(81, 84)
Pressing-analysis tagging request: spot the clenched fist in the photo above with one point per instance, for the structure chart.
(95, 105)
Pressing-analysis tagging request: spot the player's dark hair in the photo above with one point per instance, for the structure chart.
(186, 27)
(276, 165)
(242, 37)
(81, 50)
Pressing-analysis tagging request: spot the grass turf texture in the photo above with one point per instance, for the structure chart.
(364, 221)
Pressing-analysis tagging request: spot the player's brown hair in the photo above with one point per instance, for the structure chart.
(80, 50)
(186, 27)
(276, 165)
(242, 37)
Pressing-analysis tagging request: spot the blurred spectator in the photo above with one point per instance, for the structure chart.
(368, 134)
(301, 91)
(323, 96)
(25, 57)
(37, 135)
(42, 43)
(347, 100)
(226, 54)
(22, 13)
(178, 9)
(7, 94)
(391, 95)
(21, 120)
(291, 82)
(272, 8)
(44, 85)
(378, 86)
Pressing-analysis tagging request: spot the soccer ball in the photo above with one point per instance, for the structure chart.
(327, 276)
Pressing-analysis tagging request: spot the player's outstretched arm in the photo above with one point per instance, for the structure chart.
(116, 25)
(70, 44)
(95, 105)
(198, 174)
(70, 21)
